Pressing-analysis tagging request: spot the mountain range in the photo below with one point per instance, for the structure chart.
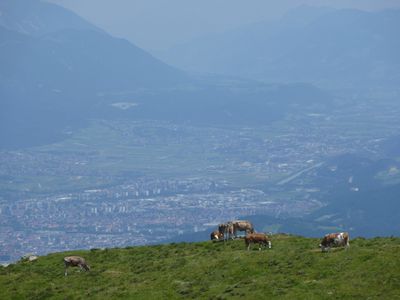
(343, 48)
(58, 71)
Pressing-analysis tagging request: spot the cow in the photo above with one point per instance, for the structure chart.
(75, 261)
(340, 239)
(240, 225)
(216, 236)
(257, 238)
(227, 230)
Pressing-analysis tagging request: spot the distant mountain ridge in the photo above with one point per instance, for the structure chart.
(36, 18)
(331, 48)
(56, 38)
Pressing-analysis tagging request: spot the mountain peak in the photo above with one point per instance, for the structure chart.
(36, 18)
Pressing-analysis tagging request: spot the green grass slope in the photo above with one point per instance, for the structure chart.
(293, 269)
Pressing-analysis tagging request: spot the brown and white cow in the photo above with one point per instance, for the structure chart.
(257, 238)
(75, 261)
(216, 236)
(339, 239)
(226, 230)
(240, 225)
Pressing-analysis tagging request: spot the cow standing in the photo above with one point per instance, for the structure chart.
(240, 225)
(340, 239)
(75, 261)
(227, 230)
(257, 238)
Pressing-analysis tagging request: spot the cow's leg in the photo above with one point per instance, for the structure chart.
(269, 245)
(65, 270)
(259, 246)
(248, 245)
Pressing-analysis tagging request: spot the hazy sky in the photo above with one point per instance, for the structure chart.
(159, 24)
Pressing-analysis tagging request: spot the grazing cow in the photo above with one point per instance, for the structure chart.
(216, 236)
(257, 238)
(240, 225)
(226, 230)
(75, 261)
(340, 239)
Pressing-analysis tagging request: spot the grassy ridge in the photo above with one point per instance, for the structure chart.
(292, 269)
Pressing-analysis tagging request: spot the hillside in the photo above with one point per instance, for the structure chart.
(292, 269)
